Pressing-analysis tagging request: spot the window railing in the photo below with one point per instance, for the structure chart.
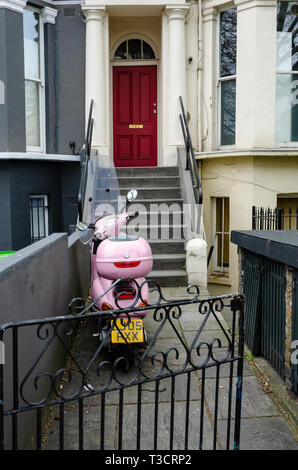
(274, 219)
(39, 217)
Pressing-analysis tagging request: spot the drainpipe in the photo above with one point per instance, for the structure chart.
(199, 71)
(199, 97)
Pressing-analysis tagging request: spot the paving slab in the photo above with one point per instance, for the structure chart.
(91, 427)
(255, 403)
(164, 429)
(264, 433)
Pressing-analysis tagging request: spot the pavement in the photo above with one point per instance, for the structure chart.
(269, 413)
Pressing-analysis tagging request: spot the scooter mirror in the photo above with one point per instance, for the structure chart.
(131, 195)
(82, 226)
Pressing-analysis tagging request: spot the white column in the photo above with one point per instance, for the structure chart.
(96, 82)
(256, 73)
(176, 78)
(209, 90)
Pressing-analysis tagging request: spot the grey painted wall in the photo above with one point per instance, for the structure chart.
(5, 208)
(12, 113)
(50, 88)
(35, 283)
(70, 78)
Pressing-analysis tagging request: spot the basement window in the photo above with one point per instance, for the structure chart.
(39, 217)
(221, 235)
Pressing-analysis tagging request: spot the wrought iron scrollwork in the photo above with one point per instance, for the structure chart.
(104, 372)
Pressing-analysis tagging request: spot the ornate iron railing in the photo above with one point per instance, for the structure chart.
(39, 384)
(85, 153)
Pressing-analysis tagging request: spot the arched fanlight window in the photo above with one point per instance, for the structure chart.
(134, 49)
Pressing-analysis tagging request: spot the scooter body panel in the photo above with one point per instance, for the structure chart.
(125, 257)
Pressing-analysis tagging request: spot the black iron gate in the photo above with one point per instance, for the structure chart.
(183, 390)
(295, 330)
(264, 290)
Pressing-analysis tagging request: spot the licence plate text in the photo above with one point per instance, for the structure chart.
(126, 331)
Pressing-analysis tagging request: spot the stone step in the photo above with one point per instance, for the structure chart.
(148, 171)
(166, 262)
(144, 193)
(156, 193)
(160, 231)
(139, 182)
(167, 246)
(153, 206)
(169, 278)
(159, 218)
(174, 205)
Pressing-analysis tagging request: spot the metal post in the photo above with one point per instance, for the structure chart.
(254, 218)
(280, 215)
(1, 399)
(240, 307)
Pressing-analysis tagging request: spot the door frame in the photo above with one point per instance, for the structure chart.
(135, 63)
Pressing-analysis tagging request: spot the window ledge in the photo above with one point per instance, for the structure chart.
(38, 156)
(274, 152)
(219, 279)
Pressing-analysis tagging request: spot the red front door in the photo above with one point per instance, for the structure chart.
(135, 115)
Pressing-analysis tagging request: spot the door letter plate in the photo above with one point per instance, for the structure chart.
(136, 126)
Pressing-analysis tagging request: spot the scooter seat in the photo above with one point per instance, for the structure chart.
(123, 237)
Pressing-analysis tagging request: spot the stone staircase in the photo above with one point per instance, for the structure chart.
(158, 188)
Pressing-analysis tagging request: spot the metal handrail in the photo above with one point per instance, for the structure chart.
(85, 153)
(191, 164)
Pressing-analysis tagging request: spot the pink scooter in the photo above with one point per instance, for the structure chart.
(119, 266)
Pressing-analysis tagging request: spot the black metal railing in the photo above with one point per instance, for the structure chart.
(191, 164)
(66, 390)
(274, 219)
(85, 153)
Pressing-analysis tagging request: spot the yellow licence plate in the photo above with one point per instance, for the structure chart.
(126, 331)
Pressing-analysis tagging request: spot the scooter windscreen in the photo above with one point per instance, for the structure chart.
(103, 194)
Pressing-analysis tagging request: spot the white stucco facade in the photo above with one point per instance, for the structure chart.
(256, 169)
